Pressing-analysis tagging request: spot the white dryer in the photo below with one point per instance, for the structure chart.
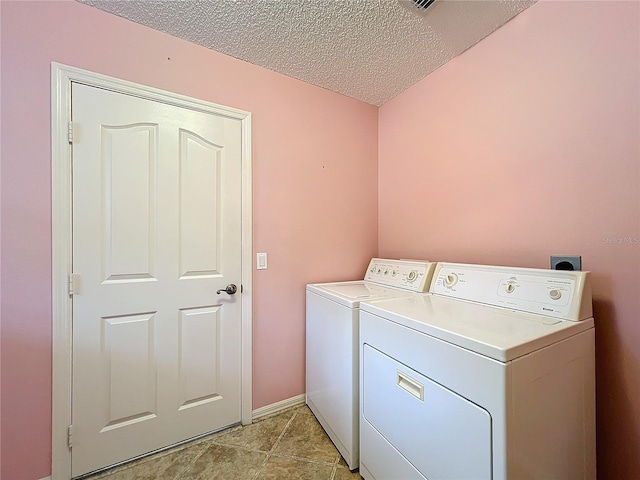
(332, 312)
(490, 377)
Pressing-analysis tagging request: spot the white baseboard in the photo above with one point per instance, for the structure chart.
(46, 478)
(278, 406)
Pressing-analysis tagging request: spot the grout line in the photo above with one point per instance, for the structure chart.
(275, 444)
(303, 459)
(203, 448)
(333, 472)
(271, 453)
(259, 471)
(284, 430)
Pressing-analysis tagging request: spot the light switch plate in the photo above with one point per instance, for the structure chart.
(261, 262)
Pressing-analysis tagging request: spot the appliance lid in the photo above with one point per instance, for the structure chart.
(495, 332)
(356, 291)
(352, 293)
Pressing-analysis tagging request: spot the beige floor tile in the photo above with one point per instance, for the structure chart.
(305, 438)
(164, 466)
(343, 473)
(298, 446)
(282, 468)
(303, 409)
(219, 462)
(261, 435)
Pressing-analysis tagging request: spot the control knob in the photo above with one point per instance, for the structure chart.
(450, 279)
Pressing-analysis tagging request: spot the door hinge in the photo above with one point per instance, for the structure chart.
(70, 132)
(74, 281)
(70, 436)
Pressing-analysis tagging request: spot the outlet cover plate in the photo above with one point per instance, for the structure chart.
(564, 262)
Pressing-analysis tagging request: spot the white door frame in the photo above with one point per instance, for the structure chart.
(61, 216)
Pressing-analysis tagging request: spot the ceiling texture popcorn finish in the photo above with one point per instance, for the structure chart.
(370, 50)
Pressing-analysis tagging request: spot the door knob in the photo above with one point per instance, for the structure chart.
(231, 289)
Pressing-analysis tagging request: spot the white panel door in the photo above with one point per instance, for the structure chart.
(156, 232)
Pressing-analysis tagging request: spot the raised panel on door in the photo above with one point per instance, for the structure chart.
(199, 351)
(129, 201)
(128, 353)
(200, 163)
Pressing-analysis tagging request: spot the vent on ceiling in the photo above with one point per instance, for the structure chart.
(416, 6)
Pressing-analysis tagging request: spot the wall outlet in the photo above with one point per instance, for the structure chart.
(566, 262)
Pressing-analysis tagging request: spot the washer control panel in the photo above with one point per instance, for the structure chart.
(555, 293)
(413, 275)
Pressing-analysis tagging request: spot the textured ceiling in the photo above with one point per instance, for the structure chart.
(366, 49)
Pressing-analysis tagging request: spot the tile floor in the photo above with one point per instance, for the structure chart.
(287, 445)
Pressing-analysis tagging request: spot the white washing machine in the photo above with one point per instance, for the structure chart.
(332, 313)
(492, 376)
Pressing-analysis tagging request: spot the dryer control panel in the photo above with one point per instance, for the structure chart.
(413, 275)
(554, 293)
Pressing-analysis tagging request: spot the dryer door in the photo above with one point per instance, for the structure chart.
(442, 434)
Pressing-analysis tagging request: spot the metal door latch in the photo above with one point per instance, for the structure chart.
(231, 289)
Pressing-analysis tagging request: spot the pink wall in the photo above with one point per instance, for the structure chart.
(527, 145)
(315, 195)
